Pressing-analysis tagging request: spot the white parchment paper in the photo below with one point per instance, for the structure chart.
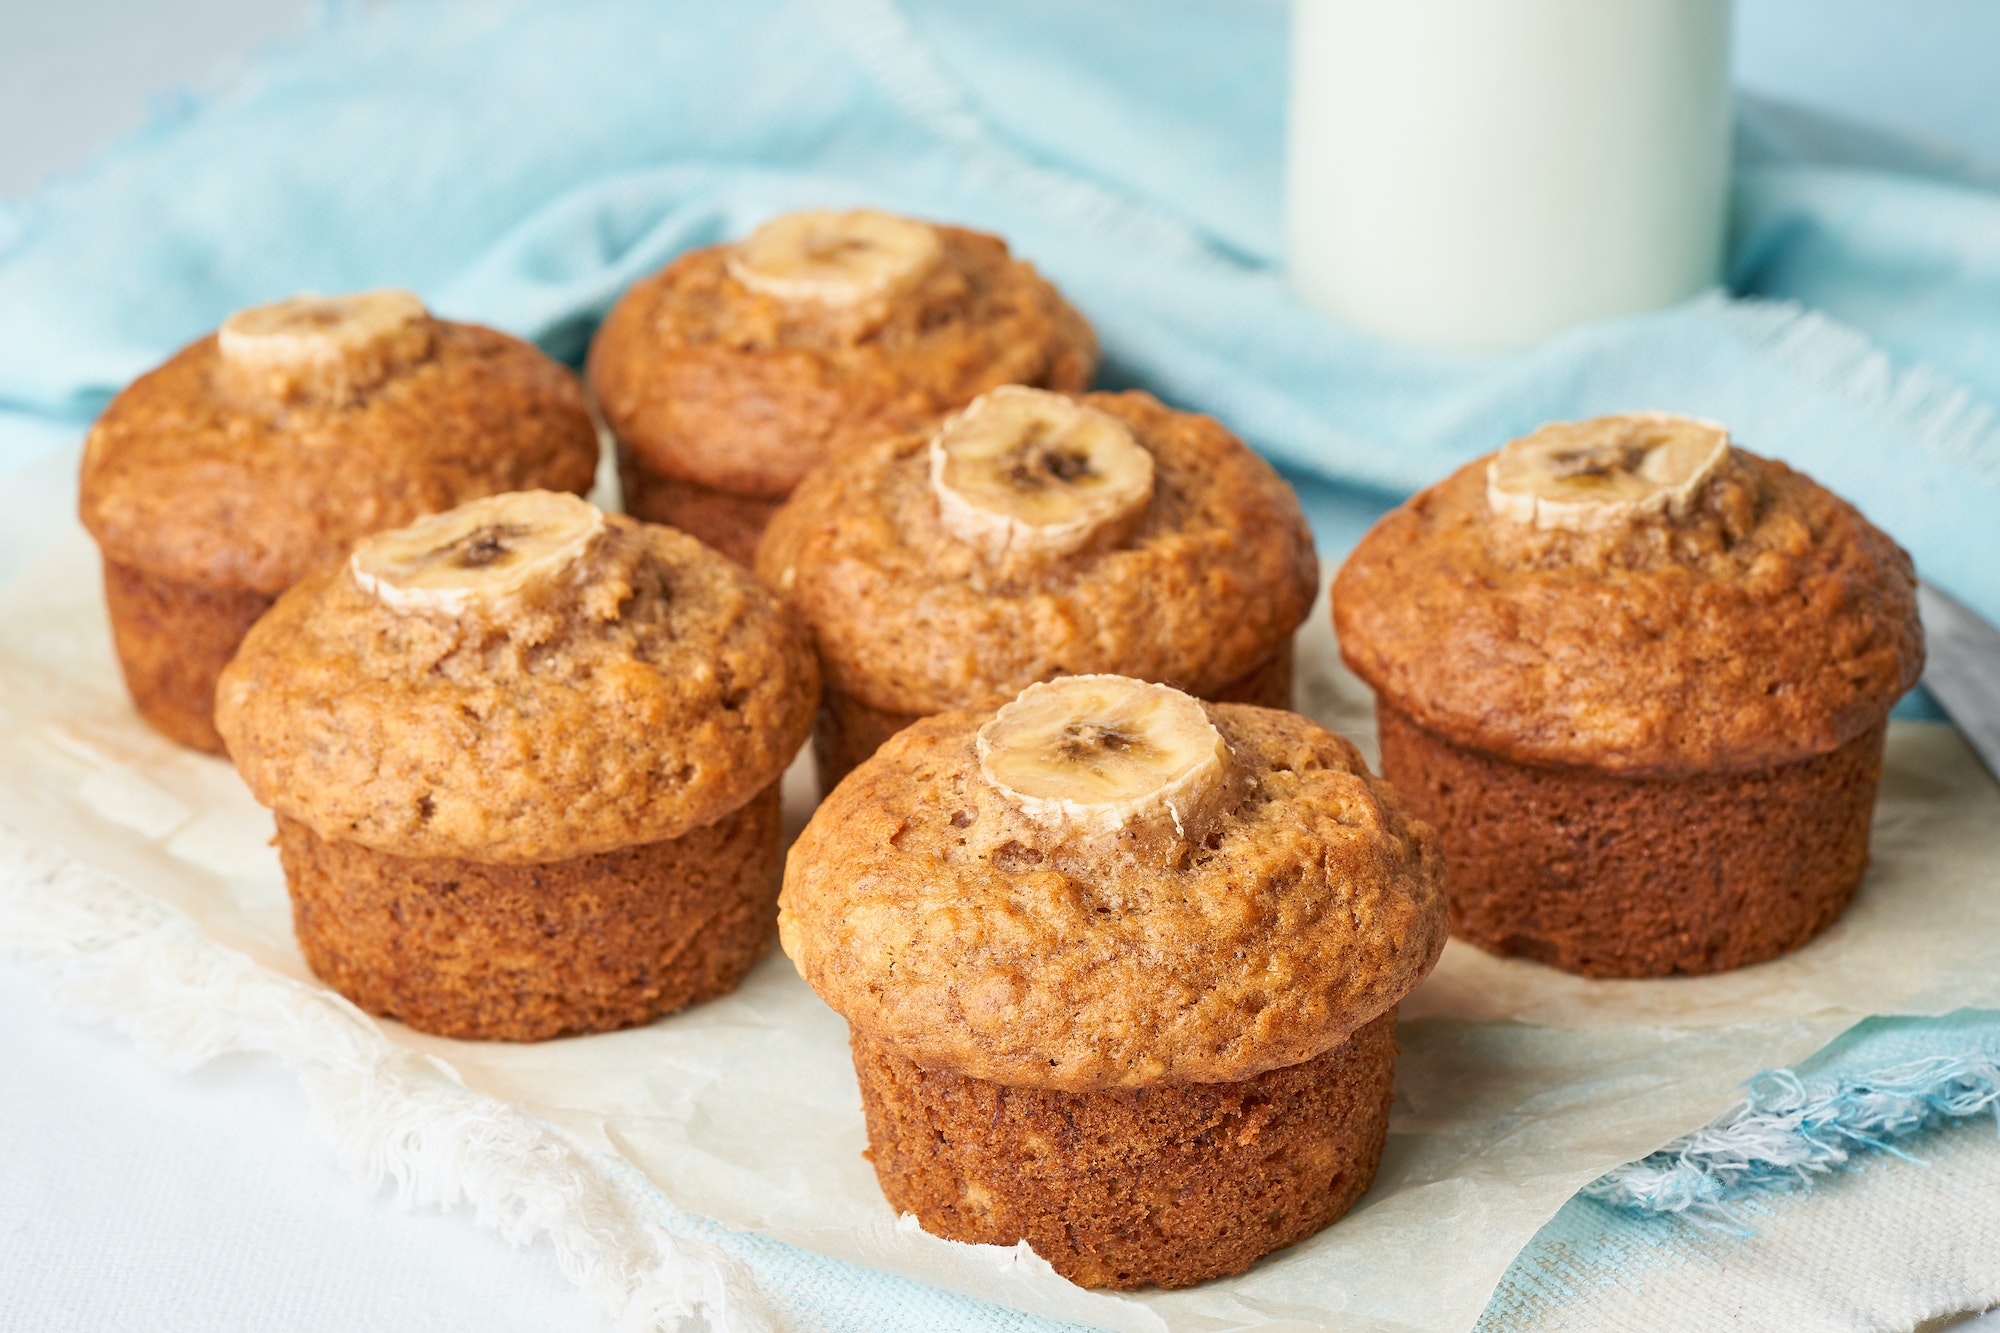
(1516, 1086)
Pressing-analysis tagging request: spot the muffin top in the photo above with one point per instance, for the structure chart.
(247, 468)
(740, 366)
(1253, 896)
(521, 679)
(935, 575)
(1632, 594)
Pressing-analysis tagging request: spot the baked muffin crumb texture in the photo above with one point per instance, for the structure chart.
(653, 691)
(910, 619)
(1769, 623)
(940, 921)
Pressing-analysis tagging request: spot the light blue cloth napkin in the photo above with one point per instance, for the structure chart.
(519, 162)
(1879, 1088)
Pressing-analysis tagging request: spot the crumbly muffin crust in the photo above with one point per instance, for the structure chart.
(926, 909)
(909, 619)
(652, 692)
(1165, 1186)
(703, 379)
(189, 482)
(1771, 623)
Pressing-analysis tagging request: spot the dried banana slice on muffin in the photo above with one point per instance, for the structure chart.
(836, 259)
(487, 553)
(1593, 475)
(1104, 754)
(331, 346)
(1026, 471)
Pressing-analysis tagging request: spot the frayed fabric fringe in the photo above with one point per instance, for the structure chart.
(1940, 415)
(1791, 1130)
(113, 954)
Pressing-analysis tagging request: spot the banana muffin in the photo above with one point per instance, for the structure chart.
(524, 758)
(1034, 535)
(264, 451)
(1639, 679)
(1121, 971)
(730, 372)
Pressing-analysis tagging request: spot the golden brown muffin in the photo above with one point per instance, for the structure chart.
(735, 369)
(1156, 1044)
(1199, 582)
(524, 759)
(217, 481)
(1651, 740)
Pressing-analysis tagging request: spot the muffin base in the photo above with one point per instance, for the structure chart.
(729, 522)
(173, 640)
(847, 731)
(526, 952)
(1165, 1186)
(1612, 876)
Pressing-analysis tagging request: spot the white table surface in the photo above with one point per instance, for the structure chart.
(133, 1198)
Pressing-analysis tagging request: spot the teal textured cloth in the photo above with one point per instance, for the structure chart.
(1881, 1087)
(519, 162)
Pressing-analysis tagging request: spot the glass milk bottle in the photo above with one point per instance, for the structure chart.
(1484, 173)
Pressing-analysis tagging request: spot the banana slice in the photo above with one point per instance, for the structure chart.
(1100, 754)
(1026, 470)
(835, 259)
(484, 554)
(329, 347)
(1586, 476)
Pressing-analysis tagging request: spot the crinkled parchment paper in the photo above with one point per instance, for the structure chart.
(1517, 1085)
